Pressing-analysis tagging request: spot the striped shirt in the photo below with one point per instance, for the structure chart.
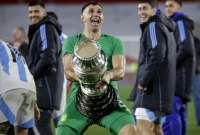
(14, 74)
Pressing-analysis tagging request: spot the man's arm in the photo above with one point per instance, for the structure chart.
(48, 52)
(185, 47)
(68, 68)
(156, 53)
(36, 111)
(118, 71)
(68, 86)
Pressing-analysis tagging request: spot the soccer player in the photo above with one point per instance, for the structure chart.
(154, 87)
(17, 91)
(119, 120)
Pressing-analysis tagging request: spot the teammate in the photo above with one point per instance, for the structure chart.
(154, 88)
(45, 63)
(185, 64)
(17, 91)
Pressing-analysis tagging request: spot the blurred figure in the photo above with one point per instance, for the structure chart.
(17, 91)
(19, 40)
(176, 123)
(196, 81)
(155, 80)
(45, 63)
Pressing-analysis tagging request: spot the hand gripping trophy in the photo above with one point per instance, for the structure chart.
(95, 98)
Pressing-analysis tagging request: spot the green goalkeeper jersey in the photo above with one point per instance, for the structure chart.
(110, 45)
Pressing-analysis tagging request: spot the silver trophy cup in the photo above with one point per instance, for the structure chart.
(90, 64)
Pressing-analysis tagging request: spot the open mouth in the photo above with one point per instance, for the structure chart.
(95, 21)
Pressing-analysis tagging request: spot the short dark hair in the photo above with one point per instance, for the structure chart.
(180, 2)
(90, 3)
(153, 3)
(36, 2)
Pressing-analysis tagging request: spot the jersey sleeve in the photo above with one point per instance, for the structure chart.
(118, 47)
(185, 45)
(68, 47)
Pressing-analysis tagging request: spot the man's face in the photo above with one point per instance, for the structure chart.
(145, 11)
(36, 13)
(17, 36)
(92, 16)
(171, 7)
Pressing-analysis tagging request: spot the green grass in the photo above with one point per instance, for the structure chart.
(124, 92)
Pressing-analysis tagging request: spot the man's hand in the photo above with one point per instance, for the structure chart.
(106, 77)
(101, 86)
(36, 112)
(69, 69)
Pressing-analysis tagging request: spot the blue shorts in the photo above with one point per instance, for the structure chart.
(175, 123)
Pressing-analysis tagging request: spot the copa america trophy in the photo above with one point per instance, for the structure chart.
(90, 64)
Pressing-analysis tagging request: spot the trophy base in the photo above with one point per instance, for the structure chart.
(95, 107)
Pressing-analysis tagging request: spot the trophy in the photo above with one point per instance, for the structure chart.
(90, 64)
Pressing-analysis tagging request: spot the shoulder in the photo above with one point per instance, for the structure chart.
(70, 42)
(114, 45)
(4, 46)
(155, 25)
(111, 38)
(157, 28)
(5, 49)
(47, 27)
(185, 21)
(152, 27)
(74, 38)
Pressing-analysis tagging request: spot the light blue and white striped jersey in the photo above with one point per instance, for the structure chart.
(14, 74)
